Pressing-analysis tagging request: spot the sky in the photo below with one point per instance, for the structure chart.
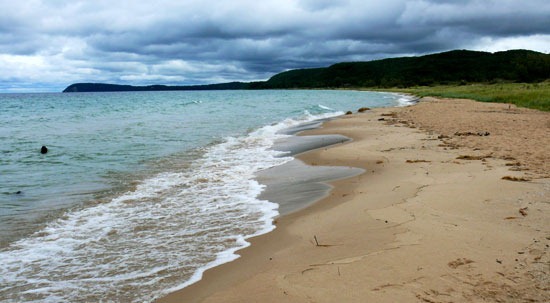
(47, 45)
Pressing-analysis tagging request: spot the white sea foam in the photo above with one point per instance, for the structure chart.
(169, 230)
(324, 107)
(399, 99)
(405, 100)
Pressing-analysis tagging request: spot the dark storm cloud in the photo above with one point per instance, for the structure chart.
(494, 18)
(190, 42)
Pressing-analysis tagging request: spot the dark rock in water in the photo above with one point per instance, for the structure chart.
(43, 150)
(18, 192)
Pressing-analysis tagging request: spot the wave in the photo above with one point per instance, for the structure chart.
(325, 107)
(405, 100)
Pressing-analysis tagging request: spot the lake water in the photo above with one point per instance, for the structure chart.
(139, 192)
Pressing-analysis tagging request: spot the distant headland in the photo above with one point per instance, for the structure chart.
(453, 67)
(104, 87)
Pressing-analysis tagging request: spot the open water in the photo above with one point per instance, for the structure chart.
(140, 192)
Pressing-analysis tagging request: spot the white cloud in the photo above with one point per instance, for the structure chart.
(540, 43)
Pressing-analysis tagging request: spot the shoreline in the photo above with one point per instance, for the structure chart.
(417, 225)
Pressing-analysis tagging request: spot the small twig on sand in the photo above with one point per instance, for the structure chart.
(321, 245)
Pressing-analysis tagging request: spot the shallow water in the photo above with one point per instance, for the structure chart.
(140, 191)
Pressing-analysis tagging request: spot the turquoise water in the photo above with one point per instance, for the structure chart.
(140, 191)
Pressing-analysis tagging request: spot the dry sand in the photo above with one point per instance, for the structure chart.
(431, 219)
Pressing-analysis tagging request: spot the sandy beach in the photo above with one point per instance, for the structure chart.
(453, 206)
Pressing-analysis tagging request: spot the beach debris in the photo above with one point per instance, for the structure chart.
(480, 133)
(349, 112)
(418, 161)
(363, 109)
(499, 261)
(518, 168)
(43, 150)
(307, 269)
(517, 179)
(459, 262)
(523, 211)
(448, 144)
(381, 119)
(469, 157)
(385, 286)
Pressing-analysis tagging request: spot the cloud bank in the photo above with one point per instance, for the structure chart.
(46, 45)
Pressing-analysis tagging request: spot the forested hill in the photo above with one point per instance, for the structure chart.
(451, 67)
(454, 67)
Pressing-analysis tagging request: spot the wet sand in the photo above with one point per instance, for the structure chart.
(430, 219)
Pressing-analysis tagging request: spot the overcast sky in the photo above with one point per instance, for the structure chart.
(47, 45)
